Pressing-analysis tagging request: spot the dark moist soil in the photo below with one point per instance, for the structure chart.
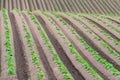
(75, 73)
(21, 66)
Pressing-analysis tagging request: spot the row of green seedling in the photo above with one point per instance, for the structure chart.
(35, 59)
(78, 58)
(47, 42)
(7, 43)
(95, 54)
(113, 22)
(115, 41)
(108, 25)
(103, 43)
(106, 45)
(110, 20)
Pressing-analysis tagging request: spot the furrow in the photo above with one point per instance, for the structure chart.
(21, 65)
(61, 53)
(102, 26)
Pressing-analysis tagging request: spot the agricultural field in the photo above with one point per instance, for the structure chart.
(85, 6)
(43, 45)
(59, 40)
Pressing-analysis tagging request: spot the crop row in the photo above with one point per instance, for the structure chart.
(55, 56)
(108, 25)
(112, 22)
(83, 42)
(7, 43)
(93, 6)
(34, 57)
(103, 43)
(96, 55)
(116, 42)
(73, 50)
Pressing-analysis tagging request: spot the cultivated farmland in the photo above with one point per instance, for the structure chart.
(48, 46)
(84, 6)
(59, 40)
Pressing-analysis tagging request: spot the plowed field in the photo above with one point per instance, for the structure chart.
(43, 45)
(85, 6)
(59, 40)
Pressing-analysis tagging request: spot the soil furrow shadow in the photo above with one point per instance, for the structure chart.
(103, 28)
(74, 72)
(42, 56)
(88, 42)
(21, 66)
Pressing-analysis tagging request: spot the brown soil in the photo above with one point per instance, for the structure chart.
(103, 52)
(83, 72)
(82, 33)
(115, 20)
(19, 56)
(61, 52)
(31, 68)
(102, 26)
(46, 64)
(21, 53)
(93, 6)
